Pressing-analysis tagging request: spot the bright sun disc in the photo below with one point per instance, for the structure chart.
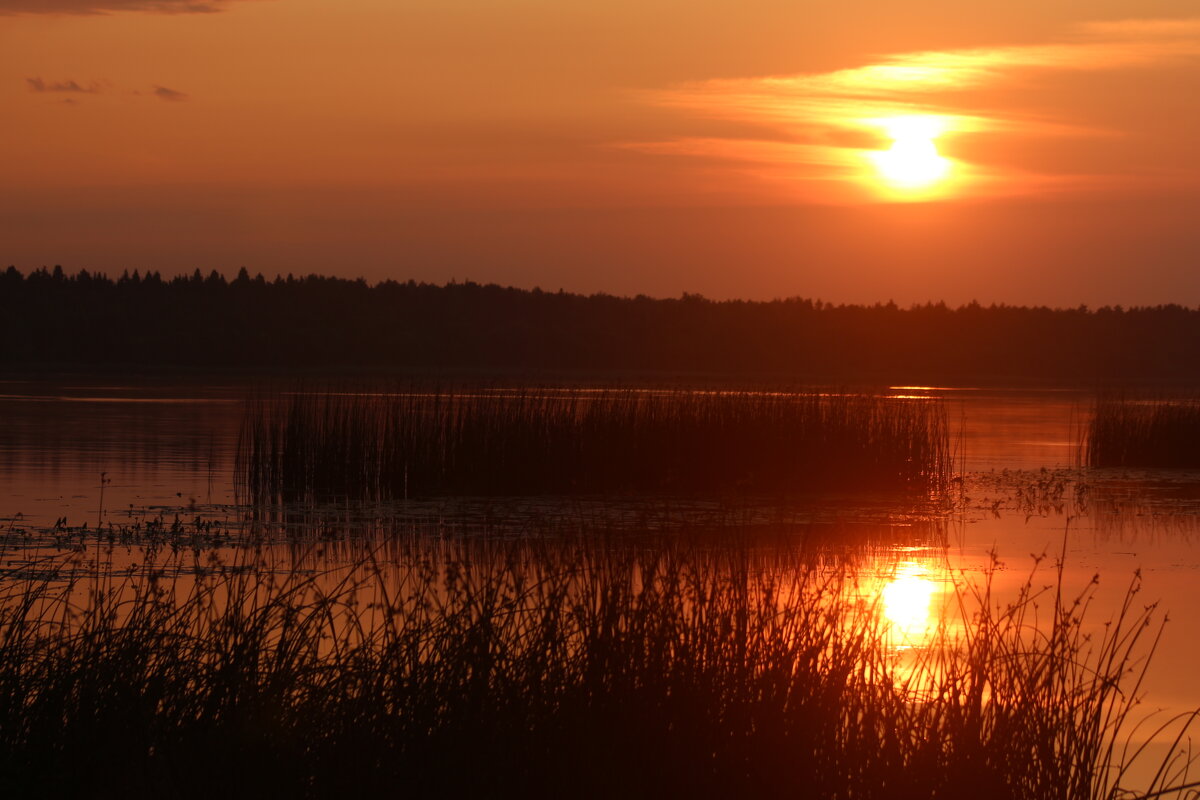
(913, 161)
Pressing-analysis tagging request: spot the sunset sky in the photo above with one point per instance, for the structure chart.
(1024, 151)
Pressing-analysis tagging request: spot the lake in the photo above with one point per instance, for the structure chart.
(104, 452)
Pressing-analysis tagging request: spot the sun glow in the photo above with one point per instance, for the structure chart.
(912, 163)
(906, 601)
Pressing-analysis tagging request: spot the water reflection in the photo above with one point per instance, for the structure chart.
(158, 443)
(907, 603)
(906, 565)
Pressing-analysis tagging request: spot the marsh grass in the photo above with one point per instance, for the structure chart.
(535, 668)
(1144, 432)
(534, 442)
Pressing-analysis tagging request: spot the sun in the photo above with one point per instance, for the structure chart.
(913, 162)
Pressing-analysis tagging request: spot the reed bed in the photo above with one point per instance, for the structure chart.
(532, 442)
(506, 668)
(1144, 432)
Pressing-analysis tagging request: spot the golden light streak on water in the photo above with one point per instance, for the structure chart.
(907, 601)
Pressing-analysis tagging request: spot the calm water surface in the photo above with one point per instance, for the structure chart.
(87, 450)
(170, 444)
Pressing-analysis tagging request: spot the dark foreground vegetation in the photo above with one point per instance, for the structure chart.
(1144, 432)
(48, 317)
(393, 444)
(526, 668)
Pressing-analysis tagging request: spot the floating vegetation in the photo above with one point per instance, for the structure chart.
(330, 535)
(512, 667)
(1145, 432)
(1043, 492)
(528, 442)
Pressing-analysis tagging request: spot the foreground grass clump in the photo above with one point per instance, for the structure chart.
(558, 442)
(1128, 432)
(531, 669)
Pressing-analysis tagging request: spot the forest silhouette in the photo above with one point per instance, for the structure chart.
(51, 318)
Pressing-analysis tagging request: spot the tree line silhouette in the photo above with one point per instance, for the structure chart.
(51, 318)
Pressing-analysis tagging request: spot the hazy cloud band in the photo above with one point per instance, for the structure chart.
(110, 6)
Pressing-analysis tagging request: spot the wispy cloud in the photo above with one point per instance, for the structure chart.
(40, 85)
(827, 120)
(170, 95)
(110, 6)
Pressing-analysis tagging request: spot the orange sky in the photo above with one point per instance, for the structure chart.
(654, 146)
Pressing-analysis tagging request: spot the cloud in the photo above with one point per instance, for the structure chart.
(915, 82)
(110, 6)
(39, 85)
(821, 119)
(170, 95)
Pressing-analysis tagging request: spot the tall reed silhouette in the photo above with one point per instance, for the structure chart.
(1144, 431)
(646, 667)
(531, 441)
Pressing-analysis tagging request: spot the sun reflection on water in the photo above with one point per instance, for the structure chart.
(907, 603)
